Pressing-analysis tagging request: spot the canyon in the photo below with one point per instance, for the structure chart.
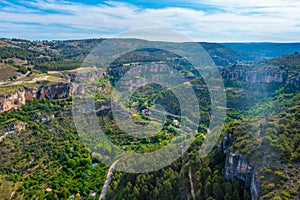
(17, 98)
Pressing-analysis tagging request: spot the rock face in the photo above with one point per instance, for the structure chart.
(56, 91)
(72, 85)
(22, 96)
(247, 74)
(238, 167)
(16, 99)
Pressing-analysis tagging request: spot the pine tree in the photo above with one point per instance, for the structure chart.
(207, 189)
(236, 195)
(227, 196)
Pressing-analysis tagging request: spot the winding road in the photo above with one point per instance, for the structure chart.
(108, 179)
(192, 185)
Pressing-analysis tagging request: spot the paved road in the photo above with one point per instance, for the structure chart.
(18, 78)
(192, 185)
(108, 179)
(3, 136)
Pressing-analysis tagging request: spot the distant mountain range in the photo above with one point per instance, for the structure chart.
(264, 50)
(223, 54)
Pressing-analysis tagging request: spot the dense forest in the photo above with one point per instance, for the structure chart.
(43, 156)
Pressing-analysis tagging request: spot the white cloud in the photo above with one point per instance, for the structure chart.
(241, 20)
(238, 4)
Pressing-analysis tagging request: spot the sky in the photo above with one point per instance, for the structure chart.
(200, 20)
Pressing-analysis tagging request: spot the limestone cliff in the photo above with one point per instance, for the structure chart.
(238, 166)
(17, 98)
(253, 75)
(71, 84)
(55, 91)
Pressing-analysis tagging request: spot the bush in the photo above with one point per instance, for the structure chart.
(262, 177)
(285, 194)
(268, 171)
(21, 189)
(210, 198)
(293, 192)
(269, 195)
(270, 186)
(22, 69)
(278, 173)
(267, 187)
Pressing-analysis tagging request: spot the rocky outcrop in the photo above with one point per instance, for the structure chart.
(21, 96)
(15, 99)
(56, 91)
(72, 84)
(250, 75)
(238, 166)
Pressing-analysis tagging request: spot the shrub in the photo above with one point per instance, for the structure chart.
(285, 194)
(267, 187)
(293, 192)
(278, 173)
(21, 189)
(262, 177)
(269, 195)
(270, 186)
(210, 198)
(269, 171)
(290, 165)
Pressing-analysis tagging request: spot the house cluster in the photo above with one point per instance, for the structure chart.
(43, 117)
(13, 129)
(145, 112)
(92, 194)
(132, 64)
(76, 196)
(176, 122)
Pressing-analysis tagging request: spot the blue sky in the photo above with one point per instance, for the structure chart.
(201, 20)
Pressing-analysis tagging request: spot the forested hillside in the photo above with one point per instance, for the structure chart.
(257, 155)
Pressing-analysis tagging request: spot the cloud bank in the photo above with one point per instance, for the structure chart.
(207, 20)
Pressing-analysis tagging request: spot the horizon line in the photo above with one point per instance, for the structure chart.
(81, 39)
